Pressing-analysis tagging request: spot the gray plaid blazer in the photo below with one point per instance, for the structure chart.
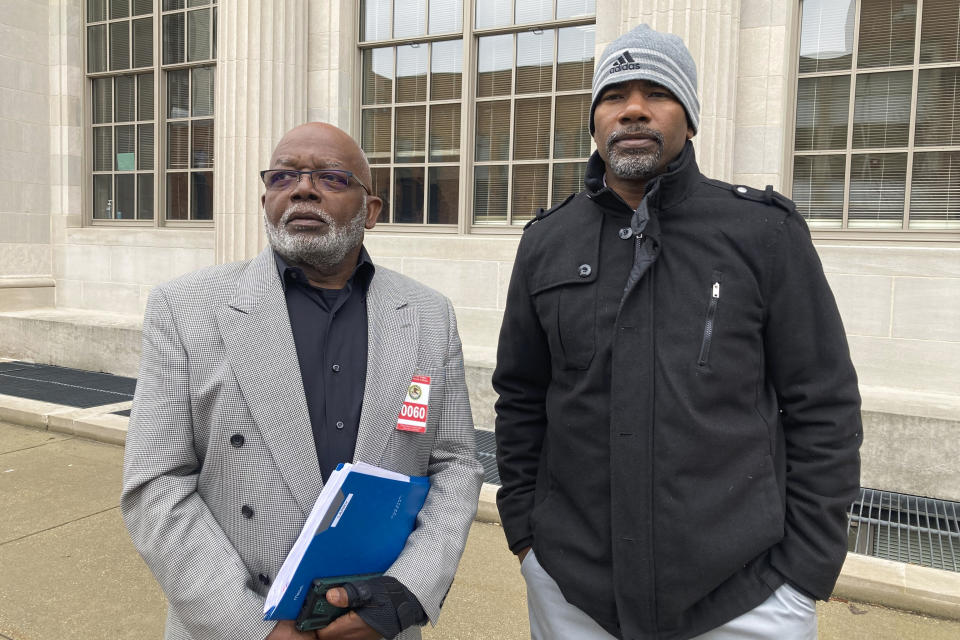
(218, 360)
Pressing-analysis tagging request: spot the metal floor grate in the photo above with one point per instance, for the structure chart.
(905, 528)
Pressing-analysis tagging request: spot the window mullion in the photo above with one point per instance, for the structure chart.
(911, 132)
(468, 102)
(848, 161)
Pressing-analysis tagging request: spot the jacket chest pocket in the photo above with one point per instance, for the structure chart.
(568, 314)
(710, 322)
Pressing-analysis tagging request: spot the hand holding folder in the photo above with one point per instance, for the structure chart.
(359, 525)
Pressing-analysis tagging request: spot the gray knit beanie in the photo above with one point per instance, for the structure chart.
(645, 54)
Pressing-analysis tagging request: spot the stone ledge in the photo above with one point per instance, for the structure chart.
(863, 578)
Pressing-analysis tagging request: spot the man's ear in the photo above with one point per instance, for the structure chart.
(263, 200)
(690, 132)
(374, 204)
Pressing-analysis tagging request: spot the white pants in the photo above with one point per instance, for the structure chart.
(786, 615)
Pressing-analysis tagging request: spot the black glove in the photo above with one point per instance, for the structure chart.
(384, 604)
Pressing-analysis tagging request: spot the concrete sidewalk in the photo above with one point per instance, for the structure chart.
(70, 571)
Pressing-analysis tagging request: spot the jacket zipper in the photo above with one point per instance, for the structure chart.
(708, 326)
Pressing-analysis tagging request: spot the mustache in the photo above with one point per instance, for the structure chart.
(304, 210)
(634, 131)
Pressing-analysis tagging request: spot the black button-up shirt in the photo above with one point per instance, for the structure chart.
(330, 332)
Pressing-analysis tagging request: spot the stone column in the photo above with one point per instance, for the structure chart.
(710, 28)
(261, 93)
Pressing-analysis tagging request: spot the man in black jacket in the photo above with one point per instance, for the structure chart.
(678, 426)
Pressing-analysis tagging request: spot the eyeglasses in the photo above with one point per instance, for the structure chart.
(322, 179)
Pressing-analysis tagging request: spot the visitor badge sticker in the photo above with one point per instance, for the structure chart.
(413, 413)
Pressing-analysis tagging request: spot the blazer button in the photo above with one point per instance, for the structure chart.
(339, 424)
(237, 440)
(247, 511)
(264, 580)
(585, 271)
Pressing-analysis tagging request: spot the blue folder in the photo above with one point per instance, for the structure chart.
(362, 530)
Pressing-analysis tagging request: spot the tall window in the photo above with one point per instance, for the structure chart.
(877, 140)
(151, 77)
(485, 118)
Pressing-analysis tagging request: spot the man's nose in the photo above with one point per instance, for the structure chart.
(635, 109)
(304, 189)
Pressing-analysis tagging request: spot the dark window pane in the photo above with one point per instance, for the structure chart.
(494, 65)
(125, 95)
(143, 42)
(408, 194)
(938, 107)
(490, 194)
(201, 195)
(881, 115)
(97, 48)
(493, 130)
(409, 18)
(119, 45)
(201, 156)
(444, 195)
(375, 20)
(173, 33)
(380, 187)
(571, 138)
(534, 61)
(410, 137)
(533, 11)
(446, 70)
(126, 149)
(935, 191)
(445, 16)
(126, 197)
(203, 91)
(197, 3)
(178, 93)
(198, 35)
(145, 196)
(103, 148)
(575, 58)
(940, 32)
(818, 184)
(142, 7)
(886, 33)
(531, 129)
(378, 76)
(145, 96)
(493, 13)
(529, 191)
(575, 8)
(103, 197)
(445, 133)
(877, 188)
(376, 127)
(119, 9)
(412, 73)
(178, 145)
(172, 4)
(102, 100)
(822, 108)
(826, 35)
(145, 146)
(96, 10)
(567, 179)
(177, 196)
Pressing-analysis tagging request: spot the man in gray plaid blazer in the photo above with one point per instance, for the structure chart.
(225, 455)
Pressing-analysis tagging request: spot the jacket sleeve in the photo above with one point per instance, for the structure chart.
(808, 361)
(521, 379)
(200, 572)
(429, 560)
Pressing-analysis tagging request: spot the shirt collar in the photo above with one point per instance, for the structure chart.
(362, 273)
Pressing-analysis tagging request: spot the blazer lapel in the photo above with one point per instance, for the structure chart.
(255, 328)
(392, 337)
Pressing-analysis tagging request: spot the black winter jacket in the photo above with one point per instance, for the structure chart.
(678, 426)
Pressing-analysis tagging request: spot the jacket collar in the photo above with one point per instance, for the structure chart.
(675, 184)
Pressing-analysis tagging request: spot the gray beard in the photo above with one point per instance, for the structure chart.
(325, 252)
(635, 165)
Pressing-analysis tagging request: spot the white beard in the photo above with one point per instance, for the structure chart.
(633, 165)
(324, 252)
